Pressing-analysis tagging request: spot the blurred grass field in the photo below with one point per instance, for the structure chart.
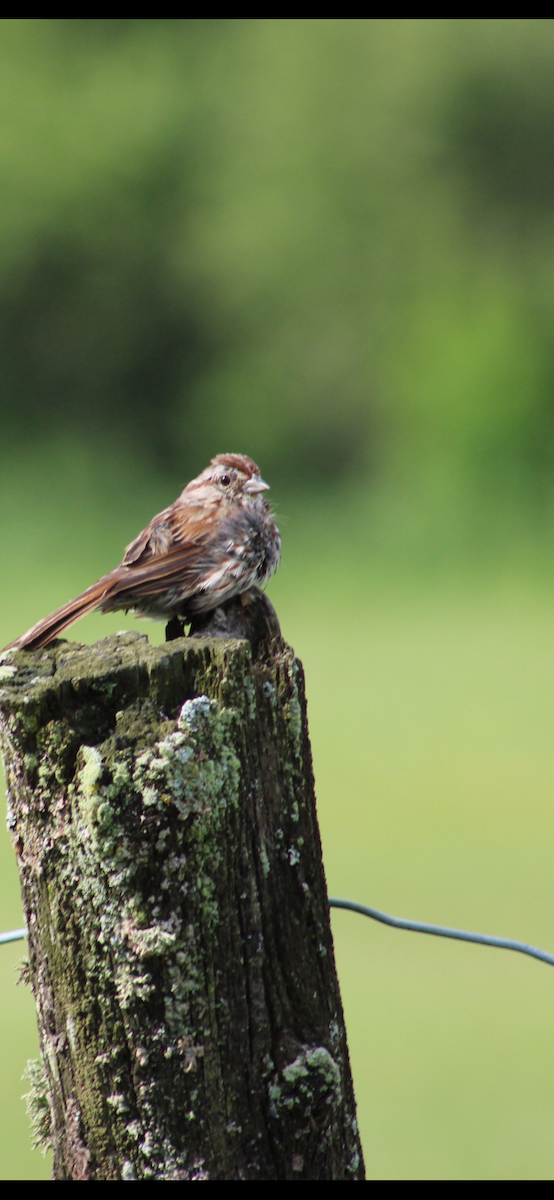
(431, 707)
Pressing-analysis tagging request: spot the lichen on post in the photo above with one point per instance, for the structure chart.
(162, 809)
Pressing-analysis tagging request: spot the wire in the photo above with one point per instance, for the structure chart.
(460, 935)
(15, 935)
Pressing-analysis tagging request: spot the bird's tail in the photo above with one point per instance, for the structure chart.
(50, 627)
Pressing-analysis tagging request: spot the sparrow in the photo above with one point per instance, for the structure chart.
(217, 540)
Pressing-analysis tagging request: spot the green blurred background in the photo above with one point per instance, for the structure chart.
(328, 244)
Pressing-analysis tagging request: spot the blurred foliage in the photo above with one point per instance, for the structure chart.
(327, 242)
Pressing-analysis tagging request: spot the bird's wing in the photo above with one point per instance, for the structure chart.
(175, 526)
(170, 552)
(173, 546)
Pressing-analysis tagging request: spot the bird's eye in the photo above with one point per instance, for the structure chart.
(225, 479)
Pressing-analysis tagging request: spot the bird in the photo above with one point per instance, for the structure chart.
(217, 540)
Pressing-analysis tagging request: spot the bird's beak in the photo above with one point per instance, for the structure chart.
(255, 484)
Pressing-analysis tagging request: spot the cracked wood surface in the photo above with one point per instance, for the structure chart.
(162, 809)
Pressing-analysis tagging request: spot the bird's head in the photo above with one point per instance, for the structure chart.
(229, 477)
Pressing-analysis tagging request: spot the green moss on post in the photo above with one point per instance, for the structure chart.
(163, 813)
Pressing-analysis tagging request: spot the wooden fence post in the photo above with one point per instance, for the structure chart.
(162, 809)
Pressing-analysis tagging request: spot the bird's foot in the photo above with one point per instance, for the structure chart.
(174, 629)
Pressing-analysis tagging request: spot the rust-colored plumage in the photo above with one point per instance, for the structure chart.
(214, 542)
